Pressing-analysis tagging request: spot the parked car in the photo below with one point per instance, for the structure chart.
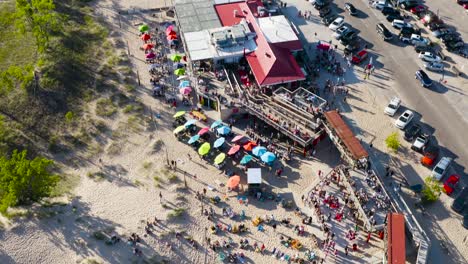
(420, 142)
(429, 57)
(352, 47)
(348, 37)
(420, 49)
(399, 24)
(359, 57)
(460, 201)
(435, 26)
(392, 17)
(462, 2)
(454, 46)
(350, 8)
(411, 132)
(383, 32)
(389, 10)
(338, 22)
(410, 30)
(340, 31)
(324, 11)
(379, 5)
(450, 37)
(430, 155)
(418, 9)
(441, 32)
(434, 66)
(451, 183)
(320, 4)
(404, 119)
(328, 19)
(409, 4)
(423, 78)
(417, 40)
(393, 106)
(441, 168)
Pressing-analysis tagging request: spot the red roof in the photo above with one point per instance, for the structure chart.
(270, 63)
(396, 249)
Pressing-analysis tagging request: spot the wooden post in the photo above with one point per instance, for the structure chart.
(138, 76)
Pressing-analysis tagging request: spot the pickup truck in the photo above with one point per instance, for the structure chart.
(420, 142)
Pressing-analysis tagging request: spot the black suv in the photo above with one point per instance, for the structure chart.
(461, 200)
(412, 132)
(423, 78)
(383, 31)
(348, 37)
(389, 10)
(328, 19)
(319, 4)
(408, 4)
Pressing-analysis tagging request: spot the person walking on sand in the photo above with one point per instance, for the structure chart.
(160, 197)
(189, 157)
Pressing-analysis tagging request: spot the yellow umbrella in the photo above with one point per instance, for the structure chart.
(220, 158)
(179, 129)
(179, 114)
(204, 149)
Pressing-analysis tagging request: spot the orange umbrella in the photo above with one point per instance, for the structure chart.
(234, 150)
(145, 37)
(233, 182)
(148, 46)
(249, 146)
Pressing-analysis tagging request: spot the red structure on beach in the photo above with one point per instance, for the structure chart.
(396, 250)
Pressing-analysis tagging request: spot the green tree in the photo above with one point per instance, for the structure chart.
(431, 191)
(39, 18)
(393, 142)
(23, 181)
(16, 76)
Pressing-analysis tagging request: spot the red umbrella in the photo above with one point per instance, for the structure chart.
(171, 37)
(233, 182)
(148, 46)
(249, 146)
(234, 150)
(172, 32)
(145, 37)
(203, 131)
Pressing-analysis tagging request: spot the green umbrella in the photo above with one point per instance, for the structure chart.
(179, 72)
(179, 129)
(179, 114)
(204, 149)
(220, 158)
(176, 57)
(143, 28)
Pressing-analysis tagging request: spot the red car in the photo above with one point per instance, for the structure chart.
(450, 183)
(418, 9)
(465, 6)
(359, 57)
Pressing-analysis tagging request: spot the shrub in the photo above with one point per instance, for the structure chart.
(105, 107)
(177, 212)
(431, 191)
(69, 116)
(393, 142)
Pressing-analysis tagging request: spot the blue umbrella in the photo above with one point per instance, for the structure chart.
(219, 142)
(183, 84)
(224, 130)
(268, 157)
(246, 159)
(259, 151)
(216, 124)
(194, 139)
(190, 122)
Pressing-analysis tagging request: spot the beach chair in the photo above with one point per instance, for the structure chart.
(257, 221)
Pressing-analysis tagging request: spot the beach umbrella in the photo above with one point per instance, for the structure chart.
(148, 46)
(143, 28)
(219, 142)
(176, 57)
(220, 158)
(179, 129)
(190, 122)
(216, 124)
(233, 182)
(171, 37)
(204, 149)
(203, 131)
(233, 150)
(150, 55)
(179, 72)
(259, 151)
(186, 90)
(193, 139)
(179, 114)
(224, 130)
(268, 157)
(172, 32)
(183, 84)
(169, 29)
(246, 159)
(237, 138)
(249, 146)
(145, 37)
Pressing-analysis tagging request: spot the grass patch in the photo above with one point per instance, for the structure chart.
(138, 183)
(147, 164)
(114, 149)
(67, 183)
(97, 176)
(105, 107)
(157, 181)
(175, 213)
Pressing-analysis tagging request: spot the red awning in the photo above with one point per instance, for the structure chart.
(396, 249)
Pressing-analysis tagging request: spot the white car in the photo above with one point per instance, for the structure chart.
(434, 66)
(379, 5)
(441, 168)
(393, 106)
(338, 22)
(340, 32)
(417, 40)
(399, 24)
(420, 142)
(404, 119)
(429, 57)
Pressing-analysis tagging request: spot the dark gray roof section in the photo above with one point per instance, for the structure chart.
(196, 15)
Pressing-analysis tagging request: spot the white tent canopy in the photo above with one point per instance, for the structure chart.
(254, 176)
